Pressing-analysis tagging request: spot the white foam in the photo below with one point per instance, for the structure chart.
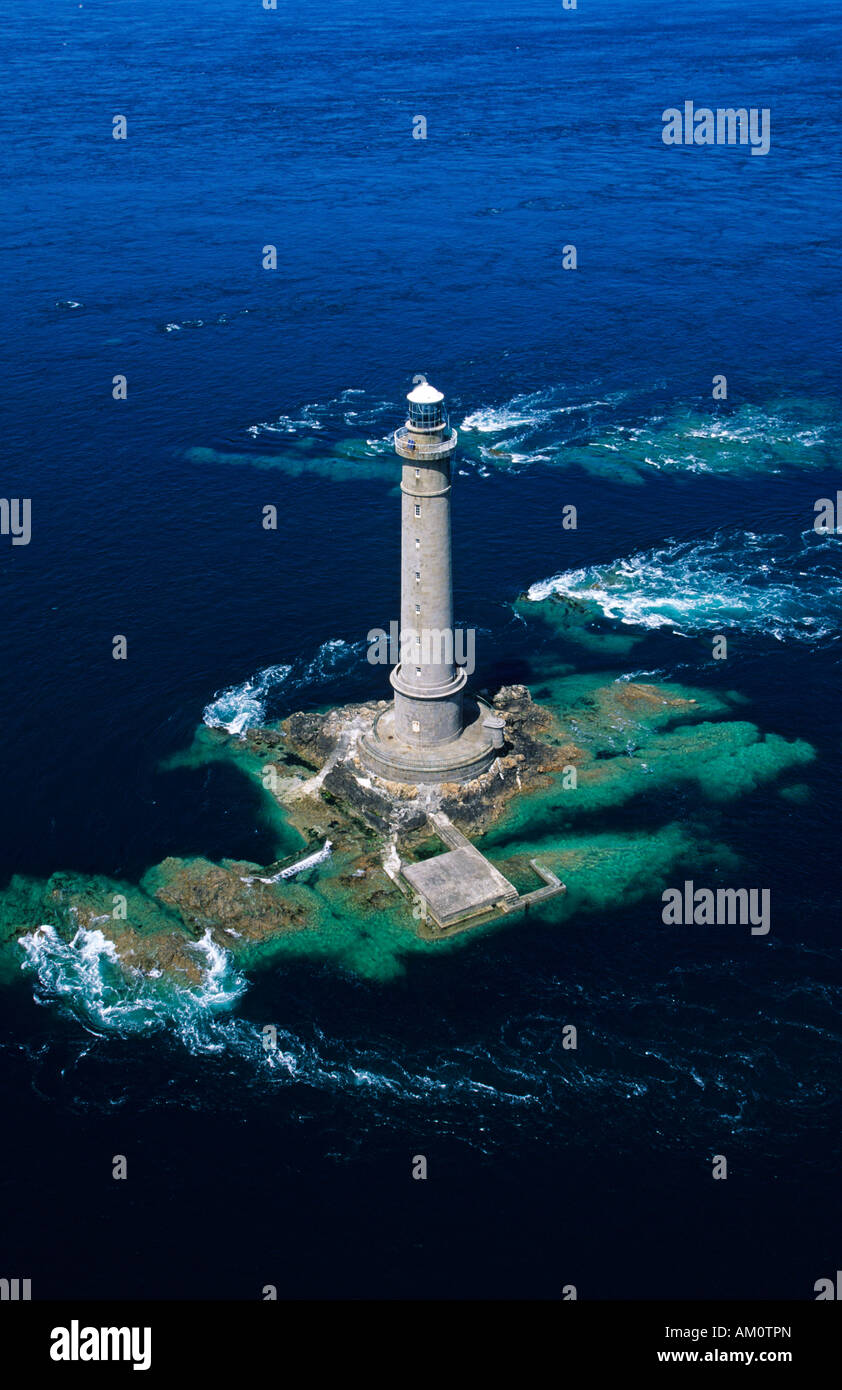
(763, 584)
(528, 411)
(320, 415)
(86, 976)
(309, 862)
(527, 430)
(243, 707)
(285, 424)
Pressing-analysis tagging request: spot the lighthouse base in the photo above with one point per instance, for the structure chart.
(460, 760)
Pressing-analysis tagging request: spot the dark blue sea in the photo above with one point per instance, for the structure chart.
(249, 387)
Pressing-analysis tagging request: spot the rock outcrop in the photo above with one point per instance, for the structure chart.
(207, 895)
(535, 747)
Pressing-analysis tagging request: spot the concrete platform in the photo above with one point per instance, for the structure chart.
(458, 883)
(461, 887)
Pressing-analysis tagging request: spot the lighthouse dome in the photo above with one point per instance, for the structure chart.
(426, 411)
(425, 394)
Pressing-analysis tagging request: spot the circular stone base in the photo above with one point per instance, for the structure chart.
(459, 761)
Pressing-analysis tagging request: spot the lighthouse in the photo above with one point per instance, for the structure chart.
(433, 731)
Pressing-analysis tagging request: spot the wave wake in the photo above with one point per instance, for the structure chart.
(308, 862)
(348, 409)
(242, 707)
(86, 977)
(762, 584)
(546, 427)
(482, 1087)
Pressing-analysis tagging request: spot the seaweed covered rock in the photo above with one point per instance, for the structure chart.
(230, 903)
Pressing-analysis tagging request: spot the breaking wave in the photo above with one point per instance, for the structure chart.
(763, 584)
(546, 427)
(244, 706)
(749, 439)
(85, 976)
(476, 1086)
(623, 435)
(348, 409)
(532, 411)
(299, 867)
(529, 428)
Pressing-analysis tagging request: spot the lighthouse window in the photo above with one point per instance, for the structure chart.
(416, 726)
(418, 472)
(417, 543)
(418, 670)
(425, 415)
(417, 509)
(417, 576)
(418, 607)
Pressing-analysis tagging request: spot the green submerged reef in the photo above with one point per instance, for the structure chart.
(613, 781)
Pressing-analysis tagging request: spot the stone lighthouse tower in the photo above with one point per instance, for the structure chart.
(433, 732)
